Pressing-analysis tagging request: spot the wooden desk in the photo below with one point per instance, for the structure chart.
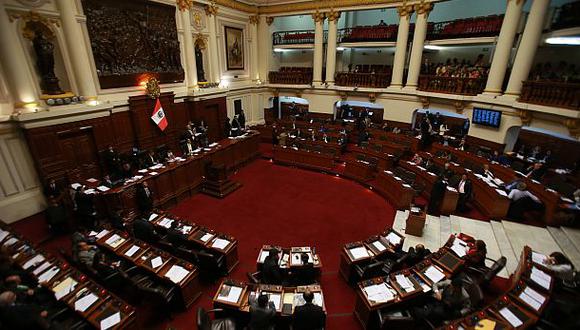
(359, 170)
(302, 158)
(399, 193)
(290, 260)
(155, 262)
(384, 160)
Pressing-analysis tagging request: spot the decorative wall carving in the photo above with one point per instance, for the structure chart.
(132, 38)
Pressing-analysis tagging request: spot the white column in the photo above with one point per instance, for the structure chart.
(318, 45)
(331, 46)
(214, 76)
(77, 49)
(405, 13)
(254, 53)
(528, 45)
(189, 53)
(420, 33)
(503, 47)
(265, 46)
(19, 80)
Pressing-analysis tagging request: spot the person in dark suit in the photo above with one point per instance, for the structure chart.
(19, 315)
(416, 254)
(271, 273)
(85, 207)
(447, 171)
(112, 159)
(144, 230)
(149, 159)
(437, 194)
(536, 171)
(116, 220)
(262, 313)
(52, 190)
(107, 182)
(175, 236)
(56, 216)
(126, 171)
(304, 275)
(242, 119)
(144, 197)
(465, 189)
(186, 146)
(227, 127)
(308, 316)
(236, 126)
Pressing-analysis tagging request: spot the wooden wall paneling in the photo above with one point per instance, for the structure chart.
(213, 112)
(564, 152)
(147, 134)
(122, 130)
(474, 141)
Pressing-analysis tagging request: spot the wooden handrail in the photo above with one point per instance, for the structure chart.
(550, 93)
(290, 77)
(451, 85)
(362, 79)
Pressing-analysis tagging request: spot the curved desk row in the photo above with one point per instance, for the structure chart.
(73, 289)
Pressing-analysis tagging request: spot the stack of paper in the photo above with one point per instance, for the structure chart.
(379, 293)
(63, 288)
(539, 258)
(501, 192)
(41, 268)
(102, 234)
(276, 298)
(186, 229)
(85, 302)
(220, 243)
(111, 321)
(541, 278)
(177, 273)
(206, 237)
(532, 298)
(459, 248)
(434, 274)
(166, 222)
(263, 255)
(48, 275)
(10, 241)
(152, 216)
(404, 282)
(114, 241)
(230, 294)
(33, 261)
(359, 252)
(102, 188)
(510, 317)
(393, 238)
(156, 262)
(132, 251)
(379, 246)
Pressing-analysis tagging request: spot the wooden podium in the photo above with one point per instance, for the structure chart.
(415, 222)
(217, 183)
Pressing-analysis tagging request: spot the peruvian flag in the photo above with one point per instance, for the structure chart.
(159, 116)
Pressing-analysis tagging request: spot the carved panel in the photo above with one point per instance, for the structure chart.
(133, 38)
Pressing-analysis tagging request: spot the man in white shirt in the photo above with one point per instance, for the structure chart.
(521, 192)
(464, 188)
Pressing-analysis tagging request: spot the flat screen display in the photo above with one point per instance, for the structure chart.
(486, 117)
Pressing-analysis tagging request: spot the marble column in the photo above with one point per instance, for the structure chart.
(503, 47)
(405, 12)
(265, 46)
(331, 46)
(19, 79)
(423, 9)
(190, 65)
(528, 46)
(318, 48)
(213, 52)
(254, 53)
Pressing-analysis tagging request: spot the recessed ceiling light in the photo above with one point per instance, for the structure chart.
(433, 47)
(572, 41)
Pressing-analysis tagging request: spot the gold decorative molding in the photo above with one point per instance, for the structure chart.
(424, 8)
(32, 16)
(269, 20)
(333, 16)
(425, 102)
(372, 97)
(405, 10)
(318, 16)
(573, 126)
(276, 93)
(526, 117)
(254, 19)
(211, 9)
(320, 5)
(344, 96)
(237, 5)
(459, 106)
(184, 5)
(200, 40)
(152, 88)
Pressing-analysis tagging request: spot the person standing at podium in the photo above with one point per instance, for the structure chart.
(271, 273)
(437, 195)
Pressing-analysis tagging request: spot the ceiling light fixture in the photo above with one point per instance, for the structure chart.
(433, 47)
(570, 41)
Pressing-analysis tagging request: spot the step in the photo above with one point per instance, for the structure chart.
(445, 224)
(537, 238)
(573, 235)
(482, 230)
(455, 225)
(566, 244)
(505, 247)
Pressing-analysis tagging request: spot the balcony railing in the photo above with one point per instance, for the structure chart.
(550, 93)
(300, 37)
(369, 33)
(358, 79)
(290, 77)
(451, 85)
(484, 26)
(566, 16)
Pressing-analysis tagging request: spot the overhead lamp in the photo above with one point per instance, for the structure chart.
(433, 47)
(279, 50)
(340, 48)
(570, 41)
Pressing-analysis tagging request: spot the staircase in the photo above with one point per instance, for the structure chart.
(503, 238)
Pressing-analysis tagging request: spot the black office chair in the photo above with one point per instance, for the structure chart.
(394, 319)
(486, 274)
(255, 278)
(204, 321)
(365, 272)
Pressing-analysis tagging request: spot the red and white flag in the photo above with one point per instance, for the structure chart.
(159, 116)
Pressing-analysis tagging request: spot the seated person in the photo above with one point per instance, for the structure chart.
(107, 182)
(416, 254)
(19, 315)
(308, 316)
(104, 267)
(262, 313)
(271, 273)
(175, 236)
(477, 254)
(561, 266)
(86, 253)
(417, 160)
(536, 171)
(126, 171)
(169, 156)
(451, 301)
(487, 172)
(144, 230)
(116, 220)
(304, 275)
(149, 160)
(447, 171)
(522, 200)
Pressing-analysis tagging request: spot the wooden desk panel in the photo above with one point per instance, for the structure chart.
(396, 191)
(359, 171)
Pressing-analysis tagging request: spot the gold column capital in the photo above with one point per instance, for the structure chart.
(333, 16)
(269, 20)
(405, 10)
(573, 126)
(184, 5)
(424, 8)
(254, 19)
(526, 117)
(211, 9)
(318, 17)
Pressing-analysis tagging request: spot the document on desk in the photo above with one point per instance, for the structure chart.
(3, 234)
(114, 241)
(166, 222)
(103, 188)
(111, 321)
(34, 261)
(41, 268)
(213, 144)
(379, 246)
(459, 249)
(276, 298)
(501, 192)
(318, 299)
(434, 274)
(530, 301)
(206, 237)
(102, 234)
(230, 293)
(132, 251)
(177, 273)
(156, 262)
(153, 216)
(510, 317)
(541, 278)
(48, 275)
(379, 293)
(263, 255)
(539, 258)
(404, 282)
(359, 252)
(65, 287)
(393, 238)
(186, 229)
(220, 243)
(10, 241)
(85, 302)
